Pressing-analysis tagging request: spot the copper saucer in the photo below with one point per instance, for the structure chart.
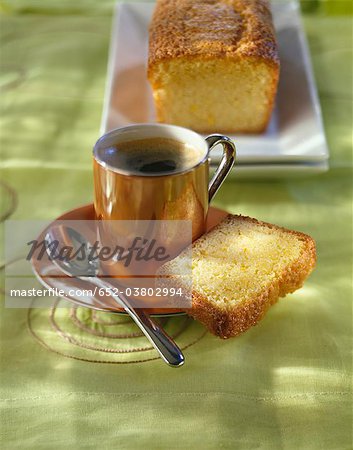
(50, 277)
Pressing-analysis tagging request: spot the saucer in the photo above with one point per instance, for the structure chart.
(51, 277)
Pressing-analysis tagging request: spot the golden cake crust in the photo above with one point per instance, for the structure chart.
(227, 323)
(212, 29)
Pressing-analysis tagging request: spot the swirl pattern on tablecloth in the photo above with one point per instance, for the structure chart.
(8, 201)
(101, 337)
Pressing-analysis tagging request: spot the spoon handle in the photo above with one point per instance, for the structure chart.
(165, 346)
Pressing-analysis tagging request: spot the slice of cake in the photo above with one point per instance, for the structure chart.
(241, 268)
(213, 64)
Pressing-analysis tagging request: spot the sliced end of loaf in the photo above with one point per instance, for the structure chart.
(226, 95)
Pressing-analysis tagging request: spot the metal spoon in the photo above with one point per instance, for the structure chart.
(67, 236)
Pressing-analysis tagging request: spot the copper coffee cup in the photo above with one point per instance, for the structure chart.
(179, 195)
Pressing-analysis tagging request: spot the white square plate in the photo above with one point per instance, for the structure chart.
(295, 139)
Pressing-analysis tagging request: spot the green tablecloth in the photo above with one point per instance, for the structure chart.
(284, 384)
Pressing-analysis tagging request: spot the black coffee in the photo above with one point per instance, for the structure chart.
(164, 165)
(151, 156)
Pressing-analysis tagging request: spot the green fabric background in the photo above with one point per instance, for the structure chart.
(285, 383)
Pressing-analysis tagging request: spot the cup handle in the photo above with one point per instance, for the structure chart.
(225, 166)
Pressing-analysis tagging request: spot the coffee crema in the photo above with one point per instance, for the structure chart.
(151, 156)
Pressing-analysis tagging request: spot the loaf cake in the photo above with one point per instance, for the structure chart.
(213, 64)
(240, 269)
